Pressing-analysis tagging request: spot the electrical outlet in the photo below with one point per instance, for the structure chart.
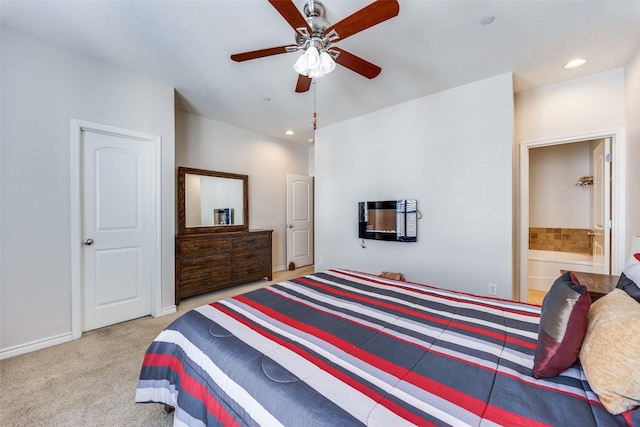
(321, 260)
(493, 289)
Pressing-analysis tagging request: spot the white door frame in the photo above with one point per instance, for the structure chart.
(617, 199)
(77, 127)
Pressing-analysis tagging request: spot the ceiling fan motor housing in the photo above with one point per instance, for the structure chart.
(316, 18)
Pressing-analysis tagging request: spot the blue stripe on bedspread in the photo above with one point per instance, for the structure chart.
(347, 348)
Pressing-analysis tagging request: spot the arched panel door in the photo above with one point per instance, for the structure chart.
(299, 220)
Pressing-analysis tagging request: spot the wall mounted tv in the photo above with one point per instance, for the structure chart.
(391, 220)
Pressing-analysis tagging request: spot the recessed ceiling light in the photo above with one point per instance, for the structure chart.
(486, 20)
(289, 132)
(575, 63)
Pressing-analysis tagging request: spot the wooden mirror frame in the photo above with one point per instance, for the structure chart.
(182, 223)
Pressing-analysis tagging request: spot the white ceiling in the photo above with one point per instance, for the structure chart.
(432, 45)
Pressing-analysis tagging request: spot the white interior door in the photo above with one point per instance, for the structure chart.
(299, 220)
(600, 206)
(118, 224)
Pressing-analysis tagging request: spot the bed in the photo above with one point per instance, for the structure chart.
(342, 348)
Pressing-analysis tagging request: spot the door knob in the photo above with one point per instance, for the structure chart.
(88, 242)
(290, 225)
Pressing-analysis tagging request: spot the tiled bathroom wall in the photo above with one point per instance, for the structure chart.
(574, 240)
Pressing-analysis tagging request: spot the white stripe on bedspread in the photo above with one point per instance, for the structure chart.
(162, 391)
(370, 280)
(235, 392)
(494, 308)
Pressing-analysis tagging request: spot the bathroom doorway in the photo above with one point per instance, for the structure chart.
(569, 205)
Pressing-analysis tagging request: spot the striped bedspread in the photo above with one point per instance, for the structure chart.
(342, 348)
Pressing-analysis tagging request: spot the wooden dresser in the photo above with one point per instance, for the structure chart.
(210, 261)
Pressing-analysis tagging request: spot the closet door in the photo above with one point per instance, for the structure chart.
(118, 198)
(299, 220)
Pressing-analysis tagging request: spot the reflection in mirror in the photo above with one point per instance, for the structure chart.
(213, 200)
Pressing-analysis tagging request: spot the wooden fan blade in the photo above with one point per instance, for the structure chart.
(357, 64)
(291, 14)
(304, 83)
(377, 12)
(255, 54)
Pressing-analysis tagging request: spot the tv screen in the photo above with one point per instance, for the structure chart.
(391, 220)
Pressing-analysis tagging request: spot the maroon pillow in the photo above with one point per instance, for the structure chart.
(563, 323)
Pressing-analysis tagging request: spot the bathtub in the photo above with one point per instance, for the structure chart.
(545, 266)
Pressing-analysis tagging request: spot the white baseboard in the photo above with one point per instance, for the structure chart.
(6, 353)
(34, 345)
(167, 310)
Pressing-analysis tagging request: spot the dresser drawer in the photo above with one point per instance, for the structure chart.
(251, 242)
(247, 273)
(251, 257)
(200, 247)
(205, 263)
(202, 282)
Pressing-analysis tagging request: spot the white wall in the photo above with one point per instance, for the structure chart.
(632, 107)
(589, 104)
(43, 87)
(452, 151)
(585, 106)
(208, 144)
(555, 201)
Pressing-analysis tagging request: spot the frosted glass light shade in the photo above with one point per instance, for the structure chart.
(313, 57)
(314, 64)
(301, 66)
(327, 64)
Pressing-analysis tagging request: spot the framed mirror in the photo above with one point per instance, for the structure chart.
(211, 201)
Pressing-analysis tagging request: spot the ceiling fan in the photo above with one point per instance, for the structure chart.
(316, 37)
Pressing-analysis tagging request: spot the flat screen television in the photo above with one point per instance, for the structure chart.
(391, 220)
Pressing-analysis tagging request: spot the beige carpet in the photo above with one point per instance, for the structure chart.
(92, 381)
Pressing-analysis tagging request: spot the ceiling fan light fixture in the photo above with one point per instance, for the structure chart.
(313, 57)
(327, 64)
(314, 64)
(302, 65)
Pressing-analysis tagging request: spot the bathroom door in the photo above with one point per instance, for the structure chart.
(601, 206)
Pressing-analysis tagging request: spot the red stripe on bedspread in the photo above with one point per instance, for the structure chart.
(470, 403)
(191, 386)
(291, 346)
(434, 292)
(403, 309)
